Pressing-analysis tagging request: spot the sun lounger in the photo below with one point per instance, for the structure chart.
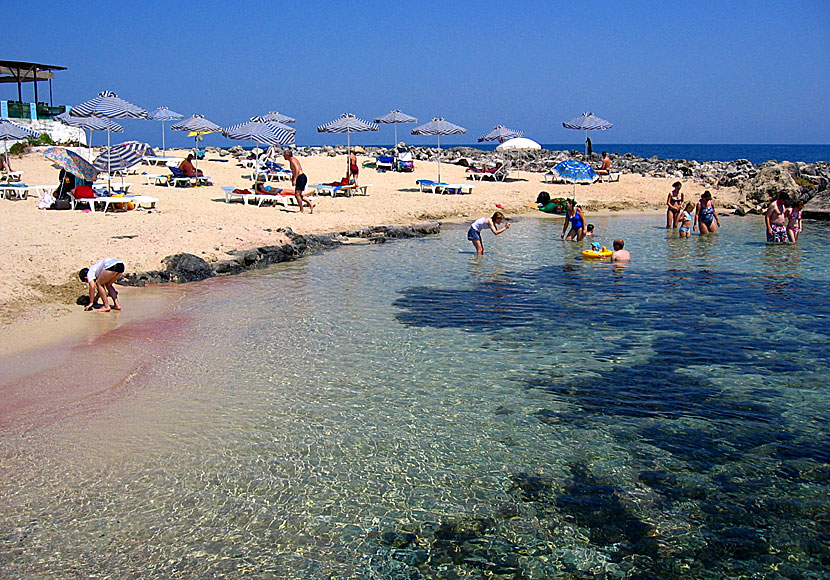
(156, 179)
(22, 191)
(158, 160)
(107, 200)
(613, 176)
(334, 190)
(385, 163)
(441, 187)
(247, 196)
(10, 176)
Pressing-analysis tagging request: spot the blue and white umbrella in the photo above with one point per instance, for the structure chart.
(395, 117)
(10, 131)
(587, 122)
(108, 105)
(120, 157)
(164, 114)
(438, 126)
(197, 126)
(90, 124)
(263, 132)
(501, 134)
(274, 116)
(576, 171)
(347, 123)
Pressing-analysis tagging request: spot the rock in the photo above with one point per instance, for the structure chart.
(818, 207)
(187, 268)
(771, 181)
(358, 150)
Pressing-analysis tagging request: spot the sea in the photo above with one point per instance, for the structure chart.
(699, 152)
(410, 411)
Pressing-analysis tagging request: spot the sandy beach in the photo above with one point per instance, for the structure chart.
(45, 249)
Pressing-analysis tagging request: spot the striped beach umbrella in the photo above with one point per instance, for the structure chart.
(164, 115)
(347, 123)
(501, 134)
(274, 116)
(90, 124)
(10, 131)
(395, 117)
(263, 133)
(120, 157)
(587, 122)
(108, 105)
(196, 125)
(438, 126)
(71, 162)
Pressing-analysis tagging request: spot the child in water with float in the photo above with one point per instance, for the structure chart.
(474, 233)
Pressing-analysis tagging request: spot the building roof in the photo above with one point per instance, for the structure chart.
(14, 71)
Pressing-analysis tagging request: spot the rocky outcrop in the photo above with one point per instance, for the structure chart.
(818, 207)
(772, 180)
(182, 268)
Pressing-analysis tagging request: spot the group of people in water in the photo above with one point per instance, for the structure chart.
(783, 220)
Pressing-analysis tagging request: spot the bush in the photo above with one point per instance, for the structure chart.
(19, 147)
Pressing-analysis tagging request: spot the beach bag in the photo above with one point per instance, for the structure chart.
(46, 201)
(62, 202)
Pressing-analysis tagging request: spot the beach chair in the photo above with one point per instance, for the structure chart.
(441, 187)
(404, 161)
(553, 176)
(609, 177)
(334, 189)
(385, 163)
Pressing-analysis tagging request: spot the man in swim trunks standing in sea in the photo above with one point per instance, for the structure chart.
(776, 220)
(298, 180)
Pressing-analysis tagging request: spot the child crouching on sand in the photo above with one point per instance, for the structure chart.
(474, 233)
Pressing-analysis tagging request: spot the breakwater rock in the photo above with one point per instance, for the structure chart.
(758, 182)
(182, 268)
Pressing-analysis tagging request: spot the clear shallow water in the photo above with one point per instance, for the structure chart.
(408, 411)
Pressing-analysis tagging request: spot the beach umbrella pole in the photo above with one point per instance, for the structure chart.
(163, 148)
(439, 158)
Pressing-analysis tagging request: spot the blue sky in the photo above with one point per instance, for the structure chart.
(682, 72)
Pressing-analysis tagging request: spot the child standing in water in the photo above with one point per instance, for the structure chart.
(686, 220)
(474, 233)
(794, 225)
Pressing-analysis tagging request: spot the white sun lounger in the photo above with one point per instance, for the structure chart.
(247, 196)
(110, 199)
(22, 191)
(613, 176)
(440, 187)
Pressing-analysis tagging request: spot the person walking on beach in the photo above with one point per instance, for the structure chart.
(706, 216)
(674, 201)
(353, 169)
(794, 225)
(298, 180)
(776, 220)
(574, 217)
(620, 253)
(474, 233)
(101, 276)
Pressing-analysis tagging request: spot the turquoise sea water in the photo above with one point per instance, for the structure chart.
(407, 410)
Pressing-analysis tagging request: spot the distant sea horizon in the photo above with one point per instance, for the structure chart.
(755, 153)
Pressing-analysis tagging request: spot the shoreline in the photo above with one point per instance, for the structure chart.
(45, 248)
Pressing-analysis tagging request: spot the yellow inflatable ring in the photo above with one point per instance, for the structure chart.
(603, 253)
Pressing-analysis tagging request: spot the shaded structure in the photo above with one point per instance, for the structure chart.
(14, 71)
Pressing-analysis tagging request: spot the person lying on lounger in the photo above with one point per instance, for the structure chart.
(263, 189)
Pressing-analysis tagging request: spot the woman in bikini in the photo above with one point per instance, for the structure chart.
(794, 224)
(705, 215)
(575, 218)
(674, 201)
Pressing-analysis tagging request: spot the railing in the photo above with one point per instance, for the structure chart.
(19, 110)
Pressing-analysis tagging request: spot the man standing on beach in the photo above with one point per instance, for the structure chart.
(776, 220)
(298, 180)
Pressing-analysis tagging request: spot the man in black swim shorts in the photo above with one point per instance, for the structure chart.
(298, 180)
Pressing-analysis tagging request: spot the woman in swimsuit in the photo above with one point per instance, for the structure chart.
(705, 215)
(574, 217)
(674, 201)
(794, 225)
(101, 276)
(353, 168)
